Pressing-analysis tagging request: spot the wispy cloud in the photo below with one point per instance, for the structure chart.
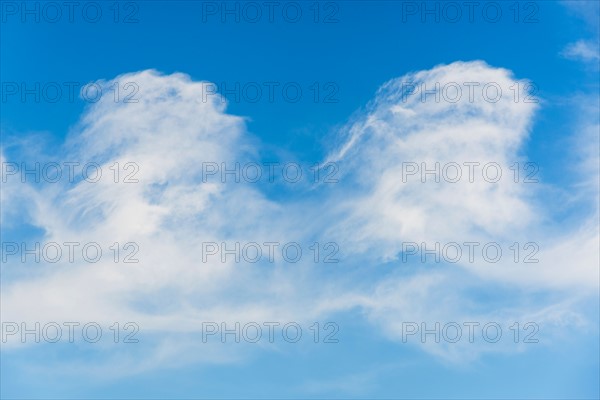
(170, 212)
(583, 50)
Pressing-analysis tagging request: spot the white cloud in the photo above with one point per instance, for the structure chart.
(384, 212)
(587, 51)
(588, 11)
(582, 50)
(169, 213)
(370, 213)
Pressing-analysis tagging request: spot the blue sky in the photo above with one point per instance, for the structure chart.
(360, 59)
